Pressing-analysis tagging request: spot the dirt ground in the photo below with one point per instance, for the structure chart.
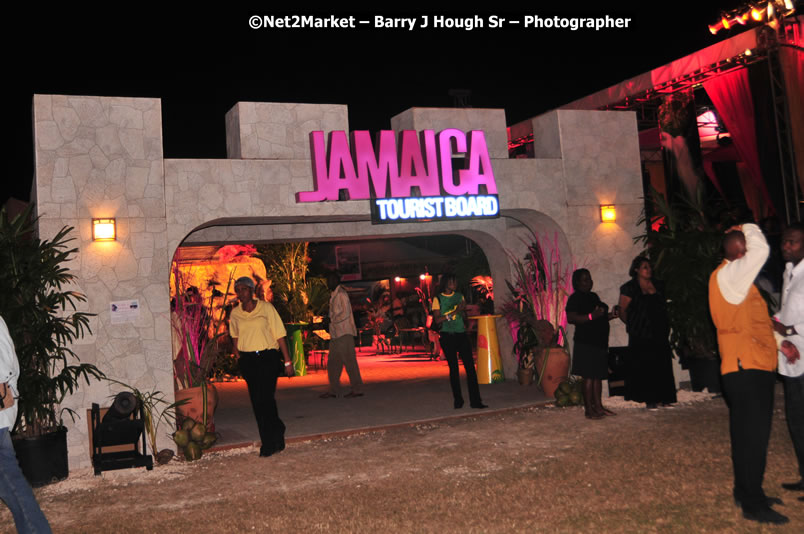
(535, 469)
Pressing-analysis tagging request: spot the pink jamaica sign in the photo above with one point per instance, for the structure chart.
(424, 160)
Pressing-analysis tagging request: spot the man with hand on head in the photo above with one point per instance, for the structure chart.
(748, 365)
(789, 325)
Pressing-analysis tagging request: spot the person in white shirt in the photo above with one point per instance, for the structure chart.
(342, 330)
(14, 489)
(789, 323)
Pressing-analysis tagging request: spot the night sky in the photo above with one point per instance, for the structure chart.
(202, 61)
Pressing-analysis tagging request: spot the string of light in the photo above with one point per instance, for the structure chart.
(769, 12)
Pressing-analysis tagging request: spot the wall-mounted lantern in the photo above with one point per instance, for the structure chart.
(608, 213)
(104, 230)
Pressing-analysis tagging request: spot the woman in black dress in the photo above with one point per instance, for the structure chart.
(591, 341)
(643, 309)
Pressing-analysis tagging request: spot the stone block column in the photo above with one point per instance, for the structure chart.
(599, 152)
(271, 130)
(102, 157)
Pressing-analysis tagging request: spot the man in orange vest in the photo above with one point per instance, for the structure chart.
(748, 365)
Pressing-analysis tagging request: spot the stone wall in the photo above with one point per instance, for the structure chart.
(102, 157)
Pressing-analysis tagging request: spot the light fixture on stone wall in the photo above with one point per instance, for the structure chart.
(608, 213)
(104, 230)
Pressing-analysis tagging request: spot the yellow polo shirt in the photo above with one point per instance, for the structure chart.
(256, 330)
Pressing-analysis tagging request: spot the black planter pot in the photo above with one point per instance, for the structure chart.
(43, 459)
(704, 373)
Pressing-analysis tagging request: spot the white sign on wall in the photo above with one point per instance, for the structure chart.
(124, 311)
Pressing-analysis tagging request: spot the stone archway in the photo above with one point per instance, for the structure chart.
(103, 157)
(511, 233)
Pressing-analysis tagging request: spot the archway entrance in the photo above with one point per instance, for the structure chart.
(405, 380)
(113, 166)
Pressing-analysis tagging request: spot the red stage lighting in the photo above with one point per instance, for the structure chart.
(771, 11)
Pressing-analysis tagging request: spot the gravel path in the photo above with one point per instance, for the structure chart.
(534, 469)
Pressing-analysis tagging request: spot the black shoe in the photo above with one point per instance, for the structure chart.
(768, 500)
(479, 406)
(458, 404)
(278, 447)
(766, 515)
(794, 486)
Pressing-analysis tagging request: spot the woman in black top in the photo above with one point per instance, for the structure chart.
(591, 319)
(643, 309)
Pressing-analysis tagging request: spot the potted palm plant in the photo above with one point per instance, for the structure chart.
(535, 312)
(199, 348)
(683, 240)
(43, 321)
(298, 297)
(525, 344)
(376, 317)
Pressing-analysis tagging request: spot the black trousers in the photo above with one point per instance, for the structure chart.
(260, 370)
(794, 412)
(455, 345)
(749, 394)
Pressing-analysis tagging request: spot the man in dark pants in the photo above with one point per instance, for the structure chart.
(260, 344)
(789, 323)
(449, 309)
(342, 331)
(748, 355)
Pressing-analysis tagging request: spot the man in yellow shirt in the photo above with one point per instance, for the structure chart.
(260, 343)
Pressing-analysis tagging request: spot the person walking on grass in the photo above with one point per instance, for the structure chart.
(260, 344)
